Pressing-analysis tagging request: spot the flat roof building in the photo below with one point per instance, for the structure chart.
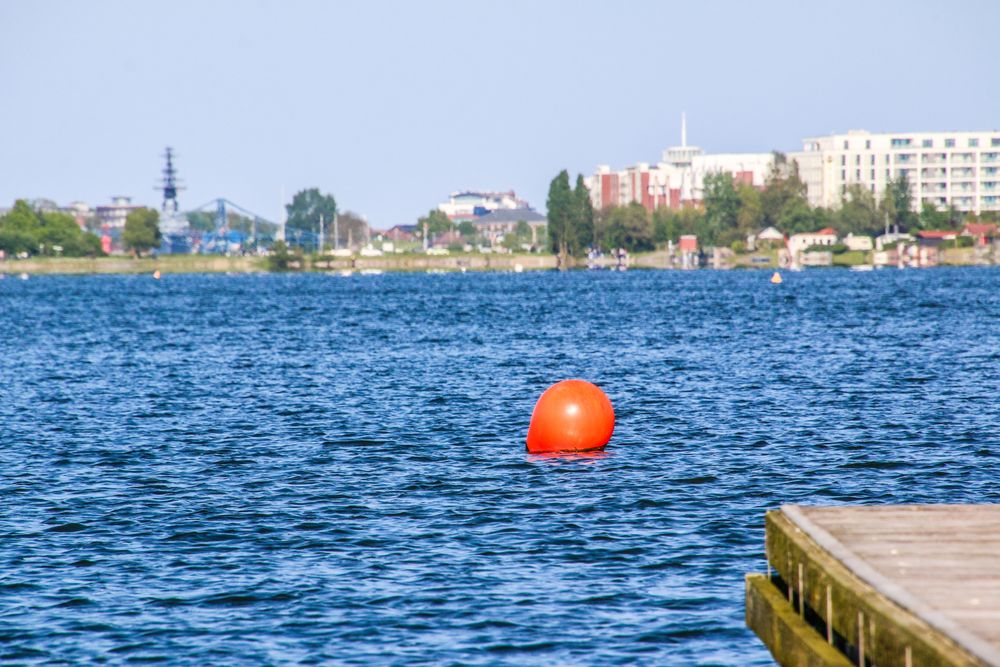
(960, 169)
(678, 179)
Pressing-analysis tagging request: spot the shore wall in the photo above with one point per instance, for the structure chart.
(407, 262)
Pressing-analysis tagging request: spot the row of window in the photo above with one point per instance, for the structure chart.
(972, 142)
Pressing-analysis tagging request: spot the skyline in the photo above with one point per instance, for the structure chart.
(449, 97)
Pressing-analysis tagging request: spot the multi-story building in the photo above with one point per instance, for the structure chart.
(678, 179)
(960, 169)
(112, 216)
(470, 205)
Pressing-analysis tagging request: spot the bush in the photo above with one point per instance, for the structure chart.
(739, 247)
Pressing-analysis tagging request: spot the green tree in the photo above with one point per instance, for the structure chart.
(722, 207)
(784, 201)
(931, 217)
(750, 219)
(24, 229)
(897, 204)
(279, 257)
(142, 230)
(467, 229)
(583, 215)
(859, 212)
(664, 225)
(630, 227)
(560, 218)
(434, 223)
(306, 208)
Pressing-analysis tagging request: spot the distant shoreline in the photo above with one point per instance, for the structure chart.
(389, 263)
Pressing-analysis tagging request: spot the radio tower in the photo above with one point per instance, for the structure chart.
(170, 186)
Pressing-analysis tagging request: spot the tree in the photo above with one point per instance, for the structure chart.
(630, 227)
(583, 214)
(24, 229)
(858, 212)
(468, 231)
(350, 229)
(434, 223)
(279, 257)
(897, 204)
(784, 200)
(751, 216)
(306, 208)
(664, 225)
(560, 216)
(722, 208)
(142, 230)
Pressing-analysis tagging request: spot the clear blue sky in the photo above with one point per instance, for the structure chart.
(392, 105)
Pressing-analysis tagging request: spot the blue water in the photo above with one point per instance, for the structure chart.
(306, 469)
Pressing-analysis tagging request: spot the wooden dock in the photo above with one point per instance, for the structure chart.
(907, 585)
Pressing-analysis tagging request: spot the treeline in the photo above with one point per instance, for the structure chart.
(23, 229)
(731, 211)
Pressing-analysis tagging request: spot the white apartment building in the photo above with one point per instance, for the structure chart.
(471, 205)
(678, 179)
(943, 168)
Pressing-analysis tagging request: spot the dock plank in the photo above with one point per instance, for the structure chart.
(939, 562)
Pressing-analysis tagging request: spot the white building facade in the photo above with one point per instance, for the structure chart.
(960, 169)
(471, 205)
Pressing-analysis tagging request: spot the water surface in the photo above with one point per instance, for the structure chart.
(285, 469)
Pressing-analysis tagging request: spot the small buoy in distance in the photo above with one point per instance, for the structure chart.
(571, 416)
(776, 278)
(156, 274)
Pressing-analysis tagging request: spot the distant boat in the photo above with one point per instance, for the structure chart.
(862, 267)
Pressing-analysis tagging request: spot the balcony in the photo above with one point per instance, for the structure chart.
(934, 158)
(963, 158)
(934, 173)
(990, 157)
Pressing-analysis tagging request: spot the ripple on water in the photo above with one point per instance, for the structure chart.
(271, 469)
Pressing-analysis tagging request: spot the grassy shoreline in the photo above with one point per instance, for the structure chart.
(391, 263)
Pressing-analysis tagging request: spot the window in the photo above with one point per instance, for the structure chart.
(843, 174)
(887, 176)
(857, 159)
(873, 188)
(843, 160)
(897, 142)
(868, 144)
(873, 174)
(973, 143)
(949, 143)
(887, 158)
(857, 175)
(846, 145)
(995, 141)
(872, 159)
(928, 143)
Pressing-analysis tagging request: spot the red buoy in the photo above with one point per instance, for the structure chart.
(571, 416)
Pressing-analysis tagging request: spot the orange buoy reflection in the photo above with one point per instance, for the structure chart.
(571, 416)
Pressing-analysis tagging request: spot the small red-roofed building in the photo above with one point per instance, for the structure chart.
(981, 232)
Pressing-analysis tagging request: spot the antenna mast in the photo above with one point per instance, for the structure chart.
(170, 185)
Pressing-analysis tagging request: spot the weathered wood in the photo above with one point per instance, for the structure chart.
(790, 639)
(896, 585)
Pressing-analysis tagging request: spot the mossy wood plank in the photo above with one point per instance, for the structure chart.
(792, 641)
(864, 619)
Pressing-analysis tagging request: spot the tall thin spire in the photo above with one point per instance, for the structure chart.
(684, 129)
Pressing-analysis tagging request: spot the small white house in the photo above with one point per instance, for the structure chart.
(858, 242)
(799, 242)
